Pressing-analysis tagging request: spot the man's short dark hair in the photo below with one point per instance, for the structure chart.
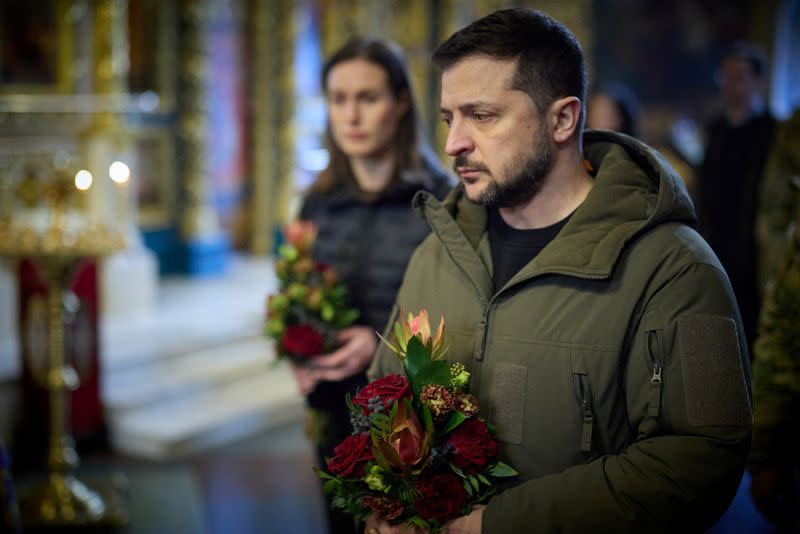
(550, 62)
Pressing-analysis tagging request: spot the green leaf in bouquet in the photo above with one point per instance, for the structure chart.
(398, 334)
(467, 486)
(484, 479)
(331, 486)
(483, 497)
(322, 474)
(474, 482)
(346, 318)
(455, 419)
(427, 419)
(380, 459)
(500, 470)
(338, 292)
(407, 494)
(380, 421)
(419, 522)
(434, 372)
(288, 252)
(457, 470)
(275, 327)
(339, 502)
(327, 312)
(348, 399)
(416, 357)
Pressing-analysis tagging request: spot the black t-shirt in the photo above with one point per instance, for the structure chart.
(512, 249)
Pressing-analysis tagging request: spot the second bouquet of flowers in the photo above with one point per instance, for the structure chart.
(419, 454)
(305, 316)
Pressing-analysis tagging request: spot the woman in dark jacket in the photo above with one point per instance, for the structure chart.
(361, 205)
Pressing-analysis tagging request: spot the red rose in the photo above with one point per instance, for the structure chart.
(302, 340)
(350, 456)
(390, 388)
(442, 497)
(474, 447)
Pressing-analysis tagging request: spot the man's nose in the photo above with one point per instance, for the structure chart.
(458, 140)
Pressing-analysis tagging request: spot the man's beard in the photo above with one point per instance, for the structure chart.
(525, 177)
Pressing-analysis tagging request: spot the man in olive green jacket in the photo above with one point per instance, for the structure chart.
(599, 328)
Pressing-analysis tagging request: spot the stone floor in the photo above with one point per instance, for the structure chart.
(263, 483)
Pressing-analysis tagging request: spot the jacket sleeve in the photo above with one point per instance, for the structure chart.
(687, 391)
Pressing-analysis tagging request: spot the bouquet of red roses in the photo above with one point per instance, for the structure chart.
(311, 307)
(418, 453)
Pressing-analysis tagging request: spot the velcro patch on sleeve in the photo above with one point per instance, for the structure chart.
(509, 388)
(714, 384)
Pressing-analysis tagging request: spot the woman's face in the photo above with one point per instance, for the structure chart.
(362, 111)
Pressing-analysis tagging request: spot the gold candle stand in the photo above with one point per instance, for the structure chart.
(61, 500)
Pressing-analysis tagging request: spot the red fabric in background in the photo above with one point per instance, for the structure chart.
(86, 413)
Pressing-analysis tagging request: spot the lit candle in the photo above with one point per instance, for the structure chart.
(120, 174)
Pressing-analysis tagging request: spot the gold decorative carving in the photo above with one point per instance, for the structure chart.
(340, 22)
(110, 45)
(272, 28)
(198, 218)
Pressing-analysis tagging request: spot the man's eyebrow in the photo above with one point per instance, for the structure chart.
(468, 107)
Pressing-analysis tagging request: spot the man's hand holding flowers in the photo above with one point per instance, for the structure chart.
(468, 524)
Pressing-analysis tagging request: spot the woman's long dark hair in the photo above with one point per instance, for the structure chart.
(406, 141)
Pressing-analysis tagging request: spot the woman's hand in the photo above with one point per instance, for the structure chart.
(358, 347)
(303, 376)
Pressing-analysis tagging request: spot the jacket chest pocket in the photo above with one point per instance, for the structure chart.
(552, 404)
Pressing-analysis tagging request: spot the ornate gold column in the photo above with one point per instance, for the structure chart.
(272, 30)
(411, 28)
(110, 47)
(451, 18)
(340, 22)
(104, 140)
(198, 218)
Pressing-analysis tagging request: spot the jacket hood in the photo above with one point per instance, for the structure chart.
(635, 190)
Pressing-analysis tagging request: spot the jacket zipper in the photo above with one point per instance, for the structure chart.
(583, 396)
(653, 337)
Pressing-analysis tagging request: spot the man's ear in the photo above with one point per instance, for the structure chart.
(565, 117)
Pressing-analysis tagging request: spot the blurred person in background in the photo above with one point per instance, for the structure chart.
(778, 202)
(738, 142)
(616, 108)
(361, 205)
(613, 107)
(773, 462)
